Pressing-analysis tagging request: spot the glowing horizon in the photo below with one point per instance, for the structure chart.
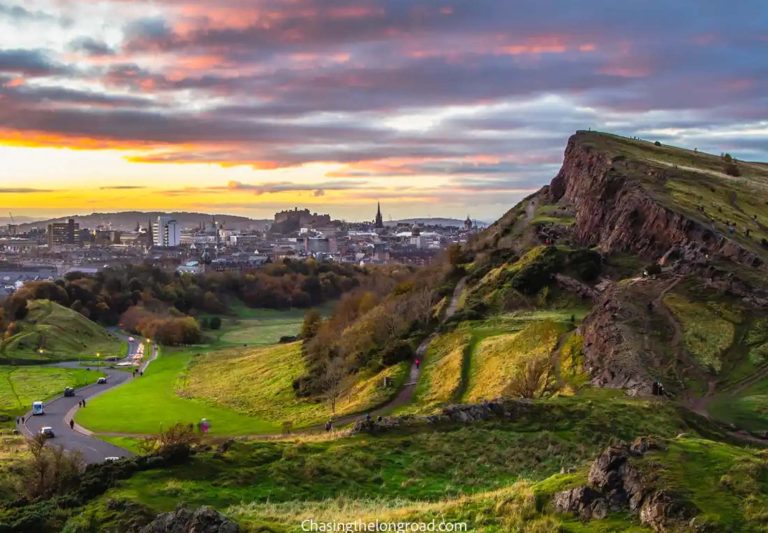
(441, 108)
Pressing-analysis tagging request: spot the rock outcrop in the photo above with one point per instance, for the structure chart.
(462, 414)
(616, 484)
(202, 520)
(615, 212)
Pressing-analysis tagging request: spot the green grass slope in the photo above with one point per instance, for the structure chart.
(22, 385)
(51, 332)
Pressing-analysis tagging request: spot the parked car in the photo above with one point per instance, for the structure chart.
(47, 432)
(37, 408)
(101, 381)
(69, 392)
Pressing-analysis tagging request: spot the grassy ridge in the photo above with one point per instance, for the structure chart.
(51, 332)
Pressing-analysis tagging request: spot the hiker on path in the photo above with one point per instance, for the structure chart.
(83, 402)
(71, 423)
(329, 425)
(418, 363)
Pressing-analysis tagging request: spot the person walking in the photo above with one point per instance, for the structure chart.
(418, 363)
(83, 402)
(72, 423)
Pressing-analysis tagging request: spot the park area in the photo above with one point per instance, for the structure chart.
(242, 382)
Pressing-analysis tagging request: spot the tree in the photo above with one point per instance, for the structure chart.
(312, 321)
(49, 470)
(175, 442)
(332, 381)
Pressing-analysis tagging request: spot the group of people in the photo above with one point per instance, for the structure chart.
(137, 371)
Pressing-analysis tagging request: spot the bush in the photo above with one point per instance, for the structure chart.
(538, 272)
(657, 143)
(215, 322)
(587, 264)
(732, 169)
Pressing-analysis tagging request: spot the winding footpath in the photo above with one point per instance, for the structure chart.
(59, 411)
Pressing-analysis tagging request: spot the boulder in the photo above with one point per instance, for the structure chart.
(204, 519)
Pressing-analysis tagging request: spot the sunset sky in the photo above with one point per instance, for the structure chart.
(433, 107)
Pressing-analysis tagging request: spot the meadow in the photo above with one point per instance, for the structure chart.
(22, 385)
(491, 474)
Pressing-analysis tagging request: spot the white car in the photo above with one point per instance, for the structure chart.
(47, 432)
(111, 459)
(101, 381)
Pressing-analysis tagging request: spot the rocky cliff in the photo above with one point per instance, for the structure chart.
(612, 196)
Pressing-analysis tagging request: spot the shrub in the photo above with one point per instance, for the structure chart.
(732, 169)
(215, 322)
(657, 143)
(538, 271)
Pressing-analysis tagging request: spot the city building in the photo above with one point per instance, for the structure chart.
(61, 233)
(167, 232)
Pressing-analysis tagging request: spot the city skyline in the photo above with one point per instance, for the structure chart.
(252, 107)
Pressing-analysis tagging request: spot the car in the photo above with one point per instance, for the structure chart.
(101, 381)
(69, 392)
(47, 432)
(37, 408)
(111, 459)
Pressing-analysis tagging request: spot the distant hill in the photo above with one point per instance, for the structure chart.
(61, 334)
(437, 221)
(126, 220)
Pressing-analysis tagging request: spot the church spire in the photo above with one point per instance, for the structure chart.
(379, 223)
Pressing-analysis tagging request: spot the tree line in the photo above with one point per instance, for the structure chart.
(164, 305)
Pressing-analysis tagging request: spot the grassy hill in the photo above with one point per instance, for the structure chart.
(51, 332)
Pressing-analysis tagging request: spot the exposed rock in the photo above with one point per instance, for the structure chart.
(203, 520)
(582, 501)
(616, 213)
(464, 414)
(615, 484)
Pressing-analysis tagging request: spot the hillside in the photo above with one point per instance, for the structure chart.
(697, 324)
(51, 332)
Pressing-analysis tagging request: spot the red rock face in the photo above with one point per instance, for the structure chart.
(617, 214)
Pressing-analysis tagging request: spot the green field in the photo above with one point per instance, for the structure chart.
(258, 327)
(22, 385)
(51, 332)
(150, 403)
(242, 391)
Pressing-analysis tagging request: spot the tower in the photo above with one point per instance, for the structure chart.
(379, 223)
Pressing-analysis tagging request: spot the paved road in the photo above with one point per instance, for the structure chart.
(59, 411)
